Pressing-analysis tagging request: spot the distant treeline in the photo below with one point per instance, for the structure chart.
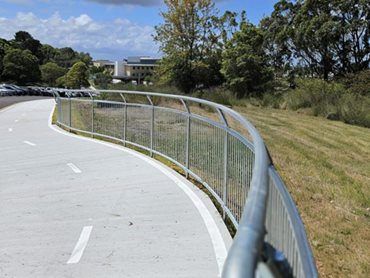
(25, 60)
(322, 39)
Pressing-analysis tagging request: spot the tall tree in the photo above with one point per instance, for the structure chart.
(278, 41)
(3, 46)
(245, 63)
(84, 57)
(50, 72)
(21, 67)
(48, 53)
(326, 38)
(25, 41)
(190, 39)
(65, 57)
(77, 76)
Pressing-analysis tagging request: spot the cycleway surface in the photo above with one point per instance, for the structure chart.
(76, 207)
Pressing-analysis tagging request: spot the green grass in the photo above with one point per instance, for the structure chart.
(326, 167)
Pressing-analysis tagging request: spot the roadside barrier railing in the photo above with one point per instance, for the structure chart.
(220, 149)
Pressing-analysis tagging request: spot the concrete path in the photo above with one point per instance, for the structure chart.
(76, 207)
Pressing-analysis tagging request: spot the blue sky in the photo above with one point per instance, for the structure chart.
(107, 29)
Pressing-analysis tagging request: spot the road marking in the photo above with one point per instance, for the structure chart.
(16, 121)
(29, 143)
(10, 129)
(74, 168)
(217, 240)
(80, 245)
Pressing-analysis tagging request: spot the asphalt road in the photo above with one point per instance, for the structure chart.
(9, 100)
(74, 207)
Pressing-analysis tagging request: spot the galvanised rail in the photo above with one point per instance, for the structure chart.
(220, 149)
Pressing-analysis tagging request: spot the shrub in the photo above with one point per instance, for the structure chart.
(354, 110)
(273, 100)
(321, 96)
(217, 94)
(358, 83)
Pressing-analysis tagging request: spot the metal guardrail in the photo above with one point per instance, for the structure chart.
(232, 163)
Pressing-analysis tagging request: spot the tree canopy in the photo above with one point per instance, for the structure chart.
(50, 72)
(51, 61)
(77, 76)
(191, 40)
(21, 67)
(245, 63)
(326, 38)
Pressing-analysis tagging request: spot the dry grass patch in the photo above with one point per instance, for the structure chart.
(326, 167)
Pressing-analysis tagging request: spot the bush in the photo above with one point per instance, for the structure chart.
(354, 110)
(321, 96)
(331, 100)
(358, 83)
(273, 100)
(217, 94)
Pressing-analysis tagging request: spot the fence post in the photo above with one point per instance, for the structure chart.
(70, 113)
(225, 163)
(225, 193)
(124, 120)
(59, 114)
(92, 115)
(151, 126)
(187, 147)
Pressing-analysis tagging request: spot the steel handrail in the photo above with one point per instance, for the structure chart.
(246, 249)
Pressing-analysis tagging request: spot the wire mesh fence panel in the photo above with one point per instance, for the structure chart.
(216, 153)
(139, 125)
(81, 114)
(109, 119)
(170, 134)
(240, 162)
(64, 113)
(206, 157)
(280, 230)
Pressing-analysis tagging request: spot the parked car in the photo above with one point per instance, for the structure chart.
(11, 91)
(4, 92)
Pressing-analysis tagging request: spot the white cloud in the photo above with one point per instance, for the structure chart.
(114, 39)
(129, 2)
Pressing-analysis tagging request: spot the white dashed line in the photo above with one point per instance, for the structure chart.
(16, 121)
(215, 234)
(74, 168)
(29, 143)
(80, 246)
(10, 129)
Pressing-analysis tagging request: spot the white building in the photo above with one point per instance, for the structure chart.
(135, 68)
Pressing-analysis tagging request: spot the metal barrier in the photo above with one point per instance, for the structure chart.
(220, 149)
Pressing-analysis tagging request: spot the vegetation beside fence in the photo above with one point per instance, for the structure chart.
(325, 166)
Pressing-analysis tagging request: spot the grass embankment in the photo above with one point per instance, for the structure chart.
(326, 167)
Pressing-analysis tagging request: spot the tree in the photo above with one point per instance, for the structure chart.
(50, 72)
(21, 67)
(245, 64)
(325, 38)
(102, 79)
(278, 37)
(65, 57)
(2, 54)
(25, 41)
(77, 76)
(84, 57)
(48, 53)
(191, 40)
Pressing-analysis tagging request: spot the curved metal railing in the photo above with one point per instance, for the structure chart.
(220, 149)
